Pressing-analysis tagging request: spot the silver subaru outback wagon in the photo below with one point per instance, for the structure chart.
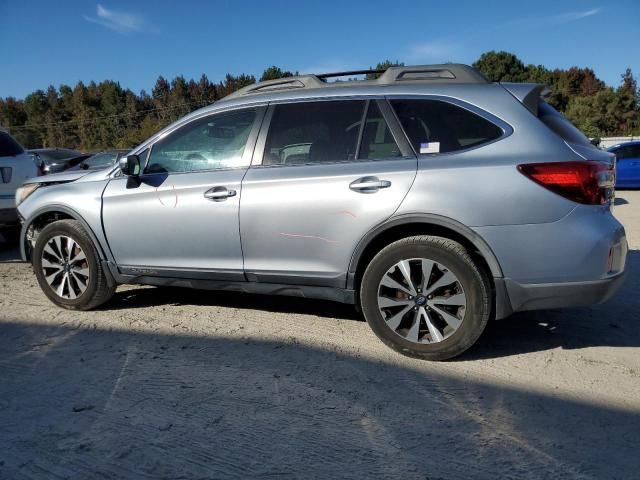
(430, 198)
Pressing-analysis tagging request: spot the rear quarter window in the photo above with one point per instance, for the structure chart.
(9, 147)
(435, 126)
(560, 125)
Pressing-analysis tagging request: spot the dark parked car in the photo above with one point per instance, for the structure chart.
(101, 160)
(627, 164)
(57, 159)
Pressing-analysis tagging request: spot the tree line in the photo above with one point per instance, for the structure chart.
(105, 115)
(597, 109)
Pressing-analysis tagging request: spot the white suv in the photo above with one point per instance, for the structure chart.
(15, 167)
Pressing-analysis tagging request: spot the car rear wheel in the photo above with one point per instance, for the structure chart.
(68, 268)
(425, 297)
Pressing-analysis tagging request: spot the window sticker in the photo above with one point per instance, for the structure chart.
(430, 147)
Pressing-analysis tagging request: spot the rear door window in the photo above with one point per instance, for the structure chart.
(314, 132)
(435, 126)
(9, 147)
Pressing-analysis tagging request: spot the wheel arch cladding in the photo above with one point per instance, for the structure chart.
(410, 225)
(43, 217)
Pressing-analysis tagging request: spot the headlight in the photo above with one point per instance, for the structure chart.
(23, 192)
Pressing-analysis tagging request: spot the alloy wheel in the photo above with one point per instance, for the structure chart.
(421, 300)
(65, 267)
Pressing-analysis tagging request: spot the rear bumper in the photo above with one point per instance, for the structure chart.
(8, 217)
(523, 297)
(576, 261)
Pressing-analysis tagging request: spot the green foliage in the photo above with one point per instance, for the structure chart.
(578, 93)
(629, 83)
(105, 115)
(501, 67)
(232, 83)
(273, 73)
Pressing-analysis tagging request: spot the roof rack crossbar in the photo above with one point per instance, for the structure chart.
(322, 76)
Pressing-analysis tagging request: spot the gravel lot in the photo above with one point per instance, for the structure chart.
(171, 383)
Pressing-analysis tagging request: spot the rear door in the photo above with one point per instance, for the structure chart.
(324, 173)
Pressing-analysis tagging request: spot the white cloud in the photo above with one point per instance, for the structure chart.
(573, 16)
(121, 22)
(434, 50)
(536, 22)
(446, 49)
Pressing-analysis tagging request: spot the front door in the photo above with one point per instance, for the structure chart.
(322, 178)
(180, 218)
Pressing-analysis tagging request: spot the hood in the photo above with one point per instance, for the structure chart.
(63, 177)
(79, 168)
(71, 176)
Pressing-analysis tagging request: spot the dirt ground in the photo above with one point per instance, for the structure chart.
(171, 383)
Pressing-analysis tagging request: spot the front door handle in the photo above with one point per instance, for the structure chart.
(218, 194)
(369, 184)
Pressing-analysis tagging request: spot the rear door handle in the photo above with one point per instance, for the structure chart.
(369, 184)
(218, 194)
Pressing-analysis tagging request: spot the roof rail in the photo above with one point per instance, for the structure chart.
(286, 83)
(444, 74)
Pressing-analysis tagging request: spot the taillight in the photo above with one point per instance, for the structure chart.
(585, 182)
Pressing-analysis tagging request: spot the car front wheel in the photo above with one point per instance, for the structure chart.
(68, 268)
(425, 297)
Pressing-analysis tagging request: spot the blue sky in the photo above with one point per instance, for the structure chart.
(44, 42)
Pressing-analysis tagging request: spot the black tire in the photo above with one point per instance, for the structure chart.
(473, 280)
(98, 291)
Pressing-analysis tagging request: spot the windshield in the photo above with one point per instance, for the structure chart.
(8, 146)
(54, 155)
(98, 160)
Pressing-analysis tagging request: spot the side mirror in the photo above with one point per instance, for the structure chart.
(130, 165)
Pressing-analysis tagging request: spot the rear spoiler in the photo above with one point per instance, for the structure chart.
(528, 94)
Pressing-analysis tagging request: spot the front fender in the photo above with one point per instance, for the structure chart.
(67, 211)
